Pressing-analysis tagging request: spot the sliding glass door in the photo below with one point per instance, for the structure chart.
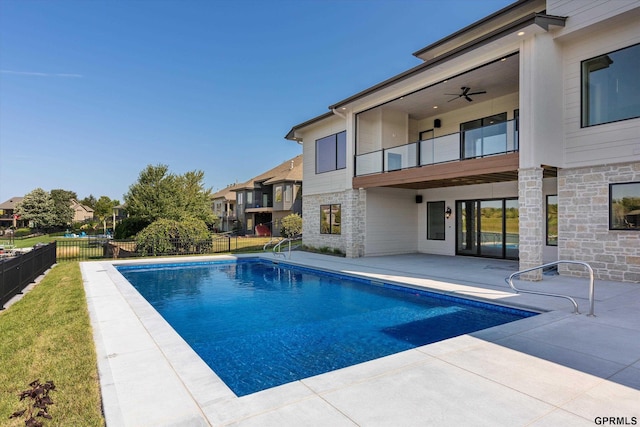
(487, 228)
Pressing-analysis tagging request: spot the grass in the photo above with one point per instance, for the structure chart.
(47, 336)
(29, 242)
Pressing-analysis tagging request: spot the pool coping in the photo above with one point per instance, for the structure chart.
(140, 355)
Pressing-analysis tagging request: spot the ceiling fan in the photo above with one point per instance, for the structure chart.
(465, 94)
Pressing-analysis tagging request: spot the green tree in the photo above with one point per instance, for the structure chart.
(159, 194)
(62, 210)
(89, 201)
(155, 195)
(104, 210)
(37, 207)
(166, 236)
(291, 225)
(195, 199)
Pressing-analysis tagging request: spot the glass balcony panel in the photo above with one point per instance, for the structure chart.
(489, 140)
(402, 157)
(369, 163)
(438, 150)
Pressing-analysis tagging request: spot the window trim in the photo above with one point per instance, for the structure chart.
(330, 221)
(611, 186)
(584, 95)
(335, 141)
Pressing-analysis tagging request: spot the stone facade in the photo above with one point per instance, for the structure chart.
(532, 221)
(351, 239)
(583, 223)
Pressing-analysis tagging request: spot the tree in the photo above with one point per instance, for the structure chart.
(104, 209)
(37, 207)
(196, 200)
(155, 195)
(159, 194)
(62, 210)
(291, 225)
(166, 236)
(89, 201)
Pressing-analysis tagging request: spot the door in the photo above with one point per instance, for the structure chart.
(487, 228)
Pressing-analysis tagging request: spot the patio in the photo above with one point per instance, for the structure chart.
(551, 369)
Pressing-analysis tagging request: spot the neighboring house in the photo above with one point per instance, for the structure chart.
(264, 200)
(120, 213)
(7, 214)
(517, 137)
(224, 207)
(81, 213)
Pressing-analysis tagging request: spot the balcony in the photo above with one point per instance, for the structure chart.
(492, 140)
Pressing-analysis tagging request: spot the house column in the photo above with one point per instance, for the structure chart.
(532, 221)
(354, 221)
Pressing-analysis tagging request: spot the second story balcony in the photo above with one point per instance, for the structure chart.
(495, 139)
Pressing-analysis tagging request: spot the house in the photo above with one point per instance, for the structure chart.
(517, 137)
(264, 200)
(81, 213)
(8, 217)
(224, 207)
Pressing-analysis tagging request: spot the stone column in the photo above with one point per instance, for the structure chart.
(532, 221)
(354, 222)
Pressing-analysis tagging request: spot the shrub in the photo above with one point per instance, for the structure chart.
(166, 236)
(291, 225)
(129, 227)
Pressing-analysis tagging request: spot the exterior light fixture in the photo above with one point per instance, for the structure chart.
(521, 33)
(447, 212)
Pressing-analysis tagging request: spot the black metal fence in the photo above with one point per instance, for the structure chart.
(89, 248)
(18, 271)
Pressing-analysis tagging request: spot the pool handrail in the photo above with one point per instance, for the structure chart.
(278, 251)
(509, 280)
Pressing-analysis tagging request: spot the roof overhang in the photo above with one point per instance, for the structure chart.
(532, 21)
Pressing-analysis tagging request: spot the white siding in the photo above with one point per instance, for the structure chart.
(391, 222)
(585, 13)
(606, 143)
(327, 182)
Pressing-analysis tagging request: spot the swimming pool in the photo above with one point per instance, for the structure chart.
(259, 324)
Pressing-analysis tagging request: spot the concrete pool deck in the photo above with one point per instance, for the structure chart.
(556, 368)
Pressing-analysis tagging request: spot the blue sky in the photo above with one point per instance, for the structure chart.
(91, 92)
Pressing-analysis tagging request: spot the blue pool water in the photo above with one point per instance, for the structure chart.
(260, 324)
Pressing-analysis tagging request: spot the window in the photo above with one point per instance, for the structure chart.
(552, 220)
(624, 206)
(240, 202)
(610, 87)
(331, 152)
(279, 194)
(287, 193)
(483, 137)
(249, 197)
(435, 220)
(250, 224)
(330, 216)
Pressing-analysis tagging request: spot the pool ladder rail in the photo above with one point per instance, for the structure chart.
(277, 249)
(509, 280)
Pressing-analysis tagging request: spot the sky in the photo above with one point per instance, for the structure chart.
(92, 92)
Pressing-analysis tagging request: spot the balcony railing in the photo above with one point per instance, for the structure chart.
(499, 138)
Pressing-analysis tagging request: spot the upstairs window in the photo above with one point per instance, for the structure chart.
(611, 87)
(331, 152)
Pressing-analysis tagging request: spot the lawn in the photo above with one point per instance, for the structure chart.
(47, 336)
